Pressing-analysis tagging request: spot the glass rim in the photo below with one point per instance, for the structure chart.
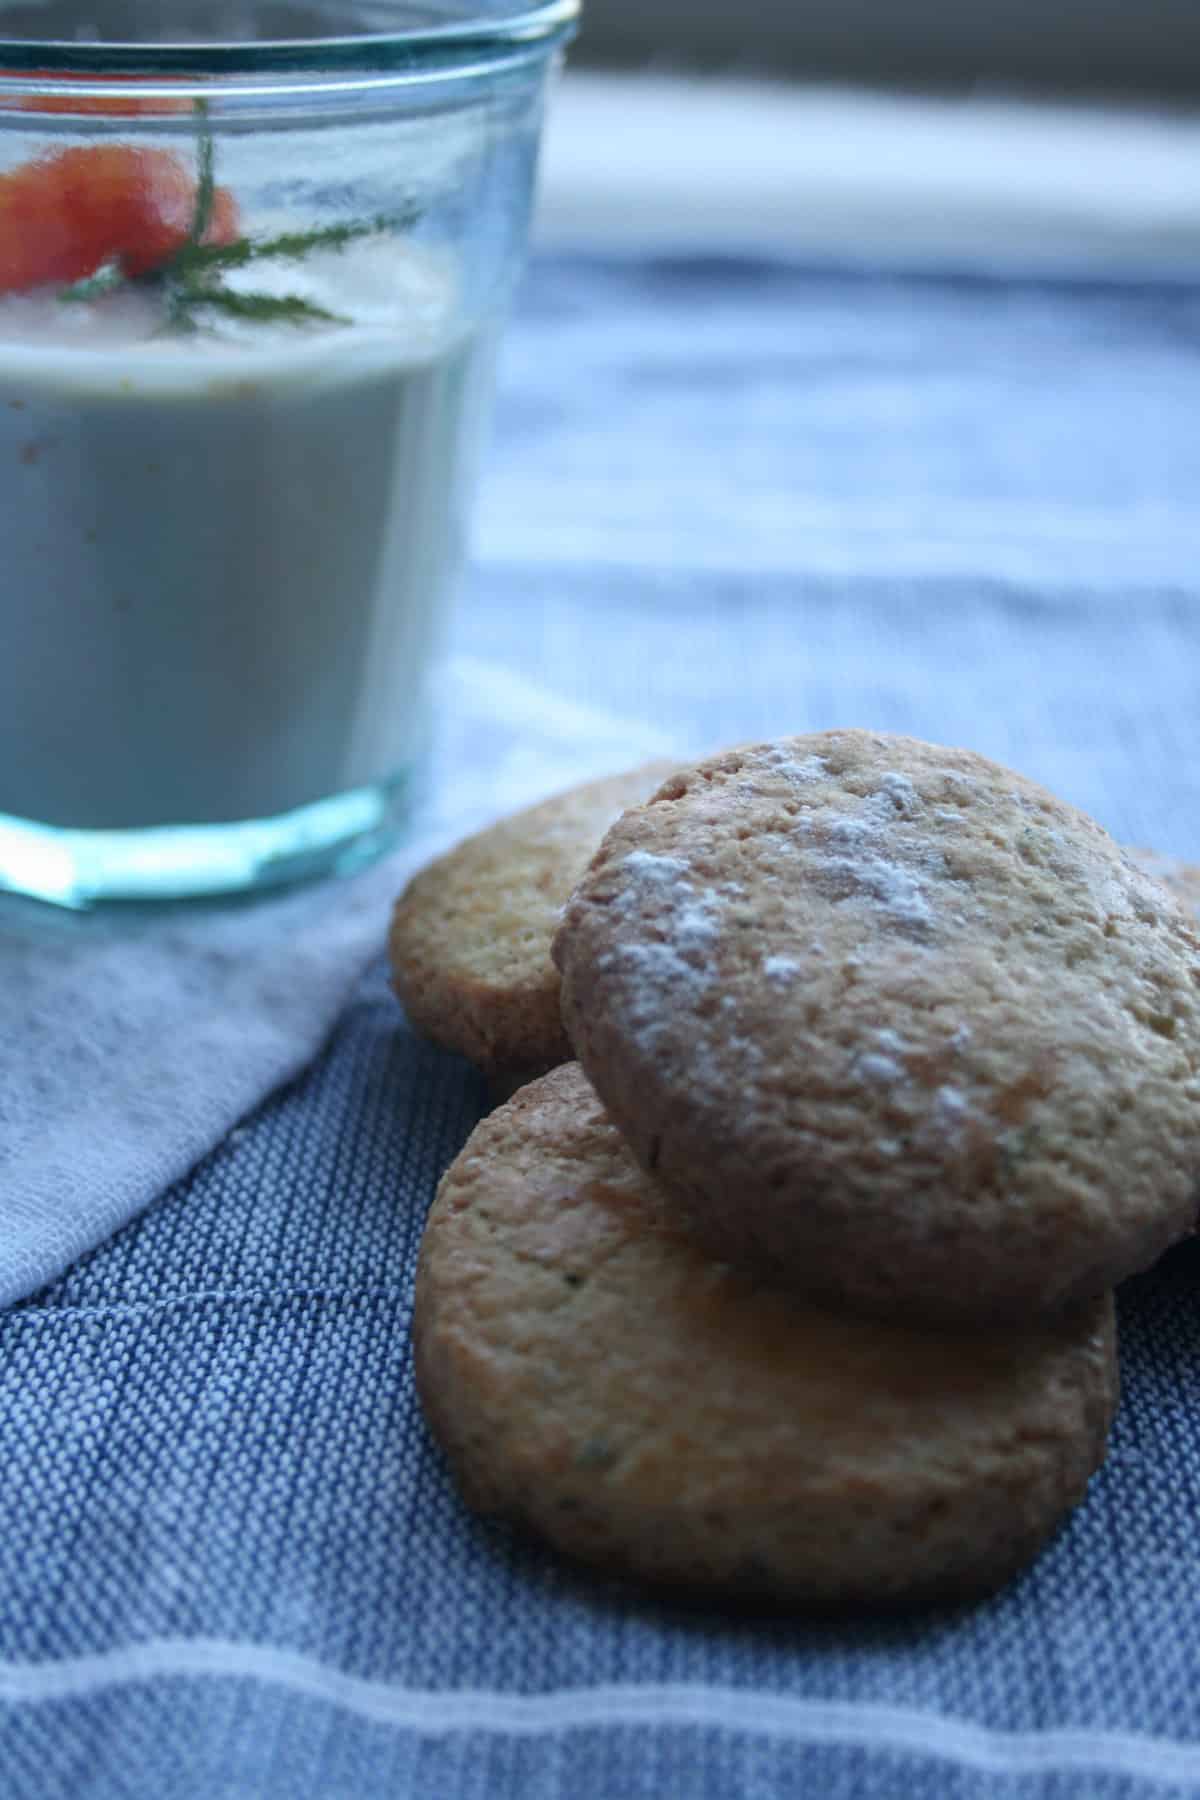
(470, 46)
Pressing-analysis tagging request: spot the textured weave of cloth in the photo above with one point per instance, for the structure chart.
(726, 500)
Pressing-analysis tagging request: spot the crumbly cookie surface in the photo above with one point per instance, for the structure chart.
(894, 1024)
(470, 936)
(594, 1374)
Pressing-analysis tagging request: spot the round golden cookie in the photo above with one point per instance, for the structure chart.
(470, 936)
(591, 1372)
(893, 1024)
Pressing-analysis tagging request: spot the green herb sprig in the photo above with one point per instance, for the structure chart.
(193, 282)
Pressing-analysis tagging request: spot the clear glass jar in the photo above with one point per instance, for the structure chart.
(253, 261)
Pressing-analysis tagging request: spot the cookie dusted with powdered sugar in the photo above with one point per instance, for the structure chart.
(470, 937)
(593, 1374)
(893, 1024)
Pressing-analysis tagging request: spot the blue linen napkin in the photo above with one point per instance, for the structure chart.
(729, 499)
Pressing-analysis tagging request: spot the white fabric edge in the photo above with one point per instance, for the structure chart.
(796, 535)
(679, 1706)
(663, 162)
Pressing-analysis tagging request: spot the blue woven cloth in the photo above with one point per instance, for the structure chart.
(730, 499)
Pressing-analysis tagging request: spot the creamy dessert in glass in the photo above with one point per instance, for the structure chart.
(249, 297)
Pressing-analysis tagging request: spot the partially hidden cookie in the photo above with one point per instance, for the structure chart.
(470, 936)
(893, 1024)
(593, 1374)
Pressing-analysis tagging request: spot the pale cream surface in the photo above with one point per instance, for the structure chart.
(224, 557)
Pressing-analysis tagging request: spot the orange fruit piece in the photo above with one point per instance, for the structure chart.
(63, 216)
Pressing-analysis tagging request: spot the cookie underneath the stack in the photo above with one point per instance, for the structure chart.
(470, 936)
(594, 1374)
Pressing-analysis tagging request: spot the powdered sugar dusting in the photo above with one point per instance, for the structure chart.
(950, 1115)
(884, 1065)
(850, 828)
(672, 929)
(663, 968)
(857, 855)
(949, 1107)
(962, 787)
(898, 893)
(687, 918)
(801, 771)
(643, 865)
(880, 1071)
(900, 1070)
(900, 791)
(781, 969)
(696, 923)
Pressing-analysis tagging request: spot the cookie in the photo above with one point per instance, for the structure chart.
(470, 936)
(1181, 879)
(894, 1024)
(592, 1373)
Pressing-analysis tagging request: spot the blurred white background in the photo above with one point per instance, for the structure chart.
(1002, 133)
